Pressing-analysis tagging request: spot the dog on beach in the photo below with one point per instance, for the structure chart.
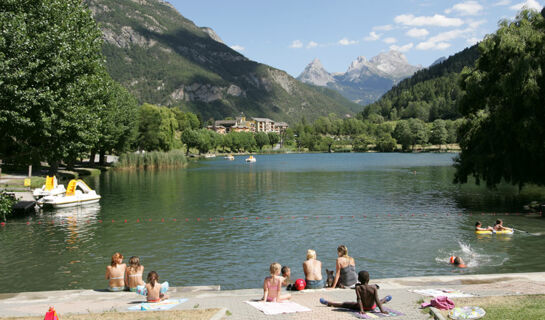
(331, 278)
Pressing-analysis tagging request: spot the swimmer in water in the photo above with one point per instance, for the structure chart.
(499, 226)
(479, 227)
(457, 262)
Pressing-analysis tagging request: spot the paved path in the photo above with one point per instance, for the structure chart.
(85, 301)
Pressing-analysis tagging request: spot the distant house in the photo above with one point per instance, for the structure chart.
(240, 124)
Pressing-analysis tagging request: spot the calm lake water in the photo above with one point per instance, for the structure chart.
(222, 222)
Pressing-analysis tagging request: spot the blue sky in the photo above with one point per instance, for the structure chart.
(289, 34)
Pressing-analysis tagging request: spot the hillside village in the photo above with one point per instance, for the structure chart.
(241, 124)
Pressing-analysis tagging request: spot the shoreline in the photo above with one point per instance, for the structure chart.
(206, 297)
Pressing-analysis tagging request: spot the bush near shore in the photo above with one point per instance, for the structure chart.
(152, 160)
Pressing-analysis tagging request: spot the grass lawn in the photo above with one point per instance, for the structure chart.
(194, 314)
(530, 307)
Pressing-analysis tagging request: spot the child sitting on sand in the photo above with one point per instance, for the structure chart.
(273, 285)
(155, 290)
(133, 274)
(479, 227)
(367, 297)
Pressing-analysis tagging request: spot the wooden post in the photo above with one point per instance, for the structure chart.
(29, 173)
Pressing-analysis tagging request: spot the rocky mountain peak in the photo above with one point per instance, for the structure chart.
(212, 34)
(315, 73)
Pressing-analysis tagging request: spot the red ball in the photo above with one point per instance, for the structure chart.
(300, 284)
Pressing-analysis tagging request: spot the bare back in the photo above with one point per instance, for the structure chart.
(312, 269)
(154, 293)
(134, 276)
(116, 275)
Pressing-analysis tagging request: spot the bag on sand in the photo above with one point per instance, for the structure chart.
(51, 314)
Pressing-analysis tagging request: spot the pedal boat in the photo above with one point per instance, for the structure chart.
(77, 193)
(250, 159)
(50, 188)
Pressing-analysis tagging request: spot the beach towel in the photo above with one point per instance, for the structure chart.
(377, 314)
(449, 293)
(271, 308)
(158, 306)
(441, 303)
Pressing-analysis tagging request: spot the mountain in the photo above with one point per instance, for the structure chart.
(438, 61)
(163, 58)
(365, 80)
(429, 94)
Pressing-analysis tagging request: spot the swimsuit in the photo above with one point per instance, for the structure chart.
(315, 284)
(116, 289)
(153, 301)
(134, 275)
(348, 276)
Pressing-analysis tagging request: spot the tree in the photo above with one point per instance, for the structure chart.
(328, 141)
(261, 139)
(403, 134)
(385, 143)
(502, 138)
(439, 133)
(274, 138)
(156, 128)
(186, 120)
(419, 132)
(50, 70)
(190, 138)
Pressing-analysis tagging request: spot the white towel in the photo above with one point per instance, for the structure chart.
(271, 308)
(450, 293)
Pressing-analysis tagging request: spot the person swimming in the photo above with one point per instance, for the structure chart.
(457, 262)
(479, 227)
(498, 226)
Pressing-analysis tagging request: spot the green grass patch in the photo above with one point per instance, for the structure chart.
(529, 307)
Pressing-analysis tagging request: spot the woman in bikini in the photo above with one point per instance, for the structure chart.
(133, 275)
(115, 273)
(345, 275)
(155, 291)
(273, 285)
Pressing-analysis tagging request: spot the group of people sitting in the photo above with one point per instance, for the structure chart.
(129, 278)
(345, 277)
(498, 226)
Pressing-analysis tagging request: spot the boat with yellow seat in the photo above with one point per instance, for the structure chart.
(77, 193)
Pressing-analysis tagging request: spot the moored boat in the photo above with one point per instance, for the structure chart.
(250, 159)
(50, 188)
(77, 193)
(229, 157)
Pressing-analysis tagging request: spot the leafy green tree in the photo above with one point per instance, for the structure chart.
(439, 133)
(186, 120)
(361, 143)
(328, 142)
(204, 141)
(6, 205)
(156, 128)
(385, 143)
(403, 134)
(116, 129)
(503, 137)
(261, 139)
(50, 72)
(274, 138)
(419, 132)
(190, 138)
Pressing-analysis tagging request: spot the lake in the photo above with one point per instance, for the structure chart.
(221, 222)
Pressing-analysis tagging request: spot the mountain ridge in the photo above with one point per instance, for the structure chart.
(365, 80)
(164, 58)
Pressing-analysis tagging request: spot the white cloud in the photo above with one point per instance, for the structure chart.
(387, 27)
(296, 44)
(529, 4)
(475, 24)
(435, 20)
(404, 48)
(346, 42)
(502, 3)
(468, 8)
(390, 40)
(373, 36)
(237, 47)
(417, 33)
(312, 44)
(472, 41)
(446, 36)
(428, 45)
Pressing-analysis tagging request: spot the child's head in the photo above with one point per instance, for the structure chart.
(116, 259)
(286, 272)
(499, 222)
(342, 251)
(275, 268)
(311, 254)
(153, 277)
(457, 261)
(478, 224)
(134, 262)
(363, 277)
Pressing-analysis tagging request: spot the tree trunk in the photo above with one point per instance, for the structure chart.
(102, 157)
(53, 168)
(92, 157)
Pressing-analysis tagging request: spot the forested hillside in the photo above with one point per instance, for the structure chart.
(163, 58)
(430, 94)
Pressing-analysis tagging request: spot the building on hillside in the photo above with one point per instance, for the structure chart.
(240, 124)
